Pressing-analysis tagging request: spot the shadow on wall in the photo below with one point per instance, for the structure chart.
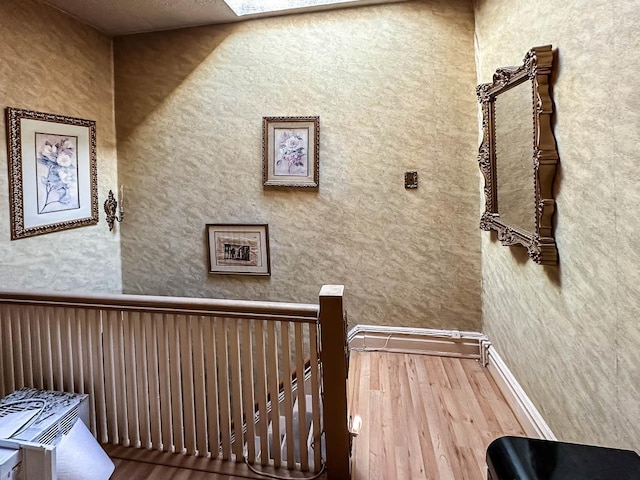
(139, 95)
(521, 257)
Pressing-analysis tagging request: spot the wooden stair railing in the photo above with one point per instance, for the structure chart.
(172, 374)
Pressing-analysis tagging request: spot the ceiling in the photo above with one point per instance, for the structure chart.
(120, 17)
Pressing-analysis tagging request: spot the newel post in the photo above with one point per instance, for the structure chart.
(333, 356)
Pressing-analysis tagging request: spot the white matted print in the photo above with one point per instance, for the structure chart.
(56, 172)
(53, 172)
(291, 152)
(290, 149)
(238, 249)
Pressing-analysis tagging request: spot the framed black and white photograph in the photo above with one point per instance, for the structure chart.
(52, 172)
(241, 249)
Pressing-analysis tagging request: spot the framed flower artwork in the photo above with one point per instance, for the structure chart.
(240, 249)
(291, 152)
(52, 172)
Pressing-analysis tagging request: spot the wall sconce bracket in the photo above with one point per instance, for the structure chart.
(110, 208)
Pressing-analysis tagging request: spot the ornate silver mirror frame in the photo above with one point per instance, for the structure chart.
(536, 69)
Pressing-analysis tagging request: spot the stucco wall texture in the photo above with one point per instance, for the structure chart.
(571, 333)
(52, 63)
(393, 86)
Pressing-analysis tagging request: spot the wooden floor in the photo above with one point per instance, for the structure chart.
(131, 470)
(135, 464)
(424, 417)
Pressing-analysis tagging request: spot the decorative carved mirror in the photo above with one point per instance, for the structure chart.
(518, 155)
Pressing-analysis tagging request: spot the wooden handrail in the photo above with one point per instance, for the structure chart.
(258, 310)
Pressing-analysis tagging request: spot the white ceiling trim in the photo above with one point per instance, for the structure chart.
(249, 7)
(122, 17)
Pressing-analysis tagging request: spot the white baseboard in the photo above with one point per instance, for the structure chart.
(446, 343)
(526, 412)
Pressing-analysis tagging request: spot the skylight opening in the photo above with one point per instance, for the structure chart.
(249, 7)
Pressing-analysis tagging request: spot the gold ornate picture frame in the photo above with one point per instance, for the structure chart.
(53, 181)
(540, 152)
(291, 152)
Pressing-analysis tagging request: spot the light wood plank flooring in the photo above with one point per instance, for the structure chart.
(424, 417)
(138, 464)
(132, 470)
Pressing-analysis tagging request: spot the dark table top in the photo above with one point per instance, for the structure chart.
(520, 458)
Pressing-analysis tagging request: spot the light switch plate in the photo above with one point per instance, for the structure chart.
(411, 179)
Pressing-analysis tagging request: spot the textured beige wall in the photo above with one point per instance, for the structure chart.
(571, 334)
(50, 62)
(394, 88)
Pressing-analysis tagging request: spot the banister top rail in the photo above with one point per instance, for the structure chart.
(258, 310)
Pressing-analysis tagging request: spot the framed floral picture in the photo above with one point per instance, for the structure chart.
(241, 249)
(52, 172)
(291, 152)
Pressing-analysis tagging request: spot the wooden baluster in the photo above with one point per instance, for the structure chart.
(67, 322)
(186, 360)
(315, 397)
(123, 397)
(5, 341)
(78, 348)
(47, 355)
(152, 366)
(89, 343)
(247, 392)
(36, 333)
(110, 325)
(176, 384)
(18, 356)
(97, 329)
(142, 383)
(261, 392)
(222, 352)
(129, 343)
(25, 340)
(200, 392)
(56, 349)
(211, 378)
(7, 351)
(272, 362)
(236, 389)
(164, 380)
(288, 402)
(303, 432)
